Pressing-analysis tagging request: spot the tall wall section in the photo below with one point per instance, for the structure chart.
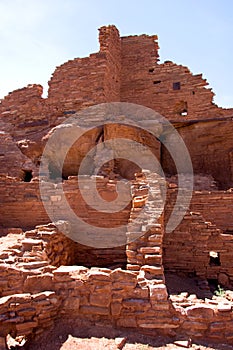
(168, 88)
(125, 69)
(76, 84)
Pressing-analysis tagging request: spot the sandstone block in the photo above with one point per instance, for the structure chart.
(194, 326)
(200, 311)
(94, 310)
(127, 322)
(158, 323)
(38, 283)
(100, 299)
(136, 304)
(153, 259)
(99, 275)
(217, 327)
(116, 308)
(158, 292)
(72, 304)
(121, 275)
(26, 327)
(150, 250)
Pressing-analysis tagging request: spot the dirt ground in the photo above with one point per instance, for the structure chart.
(67, 337)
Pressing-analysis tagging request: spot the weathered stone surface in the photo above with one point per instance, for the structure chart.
(200, 311)
(41, 273)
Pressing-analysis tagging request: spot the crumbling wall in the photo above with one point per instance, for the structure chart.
(84, 82)
(12, 161)
(25, 314)
(216, 207)
(22, 205)
(135, 299)
(26, 110)
(168, 88)
(197, 246)
(125, 69)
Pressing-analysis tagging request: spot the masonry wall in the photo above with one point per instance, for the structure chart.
(216, 207)
(22, 205)
(168, 88)
(12, 161)
(110, 44)
(125, 299)
(209, 144)
(125, 69)
(188, 248)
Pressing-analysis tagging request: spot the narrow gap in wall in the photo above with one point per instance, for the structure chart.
(228, 232)
(184, 113)
(100, 137)
(27, 175)
(181, 108)
(156, 82)
(69, 112)
(214, 258)
(151, 70)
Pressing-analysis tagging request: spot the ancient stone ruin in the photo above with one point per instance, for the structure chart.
(46, 275)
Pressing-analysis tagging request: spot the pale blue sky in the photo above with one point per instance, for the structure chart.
(38, 35)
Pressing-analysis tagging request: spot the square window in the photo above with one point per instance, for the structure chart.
(176, 86)
(214, 259)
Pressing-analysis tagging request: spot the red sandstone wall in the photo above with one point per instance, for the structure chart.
(21, 205)
(125, 69)
(83, 82)
(145, 82)
(210, 146)
(216, 207)
(187, 249)
(102, 296)
(25, 110)
(79, 83)
(110, 44)
(12, 161)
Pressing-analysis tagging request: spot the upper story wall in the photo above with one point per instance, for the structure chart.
(125, 69)
(168, 88)
(74, 85)
(83, 82)
(110, 44)
(139, 54)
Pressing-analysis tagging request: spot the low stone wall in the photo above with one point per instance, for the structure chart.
(27, 314)
(34, 291)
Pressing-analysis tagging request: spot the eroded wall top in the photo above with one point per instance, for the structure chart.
(125, 69)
